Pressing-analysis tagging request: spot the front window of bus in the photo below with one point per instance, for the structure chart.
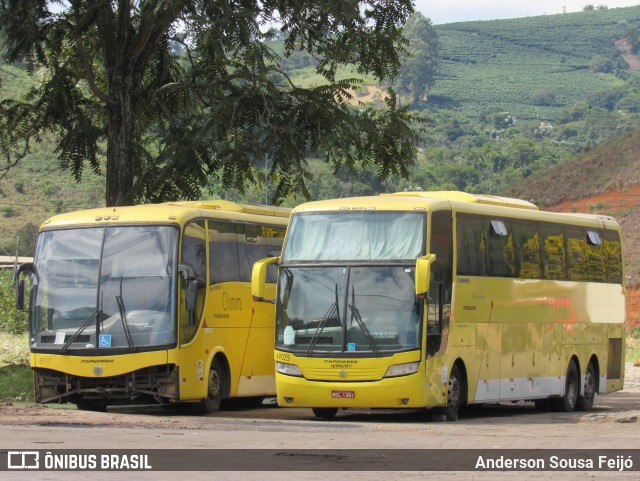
(104, 288)
(347, 283)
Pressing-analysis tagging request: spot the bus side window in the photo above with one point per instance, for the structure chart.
(471, 246)
(500, 252)
(527, 243)
(594, 257)
(576, 254)
(554, 262)
(612, 256)
(194, 255)
(223, 252)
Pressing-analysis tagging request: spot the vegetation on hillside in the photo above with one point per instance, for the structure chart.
(533, 67)
(481, 142)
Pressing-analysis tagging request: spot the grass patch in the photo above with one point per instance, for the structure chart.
(16, 380)
(16, 383)
(14, 349)
(633, 345)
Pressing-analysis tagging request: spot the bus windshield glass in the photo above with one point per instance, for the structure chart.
(104, 288)
(347, 283)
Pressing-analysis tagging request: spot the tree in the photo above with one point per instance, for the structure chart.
(180, 90)
(417, 73)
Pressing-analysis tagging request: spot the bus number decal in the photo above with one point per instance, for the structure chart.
(281, 356)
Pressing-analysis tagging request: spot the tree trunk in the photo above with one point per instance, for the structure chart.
(120, 129)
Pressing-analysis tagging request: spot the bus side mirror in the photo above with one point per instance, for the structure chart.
(20, 287)
(423, 274)
(191, 294)
(20, 295)
(259, 279)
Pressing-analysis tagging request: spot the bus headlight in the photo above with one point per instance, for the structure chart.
(402, 369)
(288, 369)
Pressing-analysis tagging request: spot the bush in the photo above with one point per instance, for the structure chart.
(11, 320)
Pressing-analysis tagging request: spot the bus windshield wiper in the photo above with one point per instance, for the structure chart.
(123, 316)
(334, 311)
(73, 338)
(355, 314)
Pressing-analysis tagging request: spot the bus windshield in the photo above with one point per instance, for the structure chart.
(104, 288)
(347, 283)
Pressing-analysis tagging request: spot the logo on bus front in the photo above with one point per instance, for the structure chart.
(104, 340)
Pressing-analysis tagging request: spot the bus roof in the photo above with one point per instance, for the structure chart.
(178, 212)
(413, 200)
(459, 201)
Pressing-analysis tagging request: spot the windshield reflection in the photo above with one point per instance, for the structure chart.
(106, 287)
(347, 309)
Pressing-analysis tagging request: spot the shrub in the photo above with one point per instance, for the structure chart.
(11, 320)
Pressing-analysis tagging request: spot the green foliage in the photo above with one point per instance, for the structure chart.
(506, 63)
(416, 74)
(16, 383)
(11, 320)
(220, 104)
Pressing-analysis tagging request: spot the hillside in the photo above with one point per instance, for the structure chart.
(494, 66)
(511, 63)
(39, 187)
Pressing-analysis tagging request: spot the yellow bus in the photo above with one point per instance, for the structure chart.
(152, 304)
(445, 299)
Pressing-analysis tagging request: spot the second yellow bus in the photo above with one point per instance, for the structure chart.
(446, 299)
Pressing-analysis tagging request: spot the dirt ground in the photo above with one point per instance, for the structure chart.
(614, 408)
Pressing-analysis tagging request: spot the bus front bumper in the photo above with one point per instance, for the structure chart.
(390, 393)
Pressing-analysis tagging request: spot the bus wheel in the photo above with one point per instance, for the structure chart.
(585, 402)
(211, 403)
(567, 403)
(454, 395)
(325, 413)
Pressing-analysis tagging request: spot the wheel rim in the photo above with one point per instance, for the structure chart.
(453, 397)
(214, 384)
(589, 385)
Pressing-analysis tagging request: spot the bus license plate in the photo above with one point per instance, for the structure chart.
(343, 394)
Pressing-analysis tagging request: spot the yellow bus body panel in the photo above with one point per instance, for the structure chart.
(109, 365)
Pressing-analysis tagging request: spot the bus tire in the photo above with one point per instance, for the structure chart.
(325, 413)
(567, 403)
(455, 393)
(585, 401)
(215, 383)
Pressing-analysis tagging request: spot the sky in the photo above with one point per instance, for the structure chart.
(448, 11)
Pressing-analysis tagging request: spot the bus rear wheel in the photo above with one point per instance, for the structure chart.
(211, 403)
(585, 401)
(567, 403)
(325, 413)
